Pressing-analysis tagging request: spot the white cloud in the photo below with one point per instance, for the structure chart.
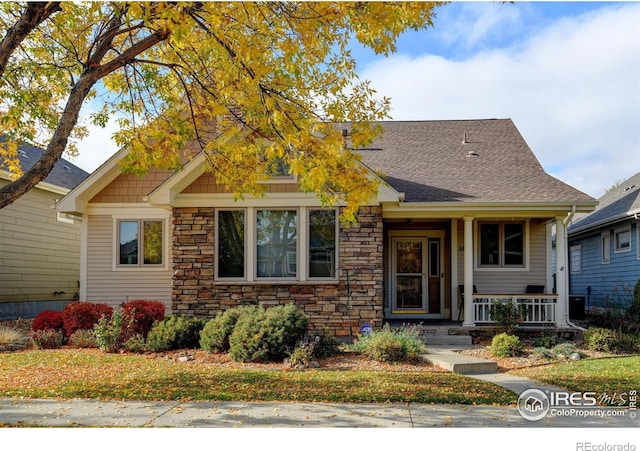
(573, 90)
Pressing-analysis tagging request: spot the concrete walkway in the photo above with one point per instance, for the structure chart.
(114, 414)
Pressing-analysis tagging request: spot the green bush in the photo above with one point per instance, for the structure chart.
(391, 345)
(302, 354)
(506, 314)
(626, 344)
(564, 349)
(136, 343)
(599, 339)
(542, 353)
(216, 332)
(325, 344)
(83, 338)
(47, 338)
(262, 335)
(546, 341)
(111, 332)
(175, 332)
(505, 345)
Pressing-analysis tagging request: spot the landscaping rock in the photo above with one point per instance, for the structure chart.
(575, 356)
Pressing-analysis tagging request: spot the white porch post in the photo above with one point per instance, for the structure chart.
(468, 273)
(562, 265)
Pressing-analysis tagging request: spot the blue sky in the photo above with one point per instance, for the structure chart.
(567, 73)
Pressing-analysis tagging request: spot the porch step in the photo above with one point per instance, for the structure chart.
(445, 357)
(448, 340)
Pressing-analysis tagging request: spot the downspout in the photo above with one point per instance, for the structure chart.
(566, 223)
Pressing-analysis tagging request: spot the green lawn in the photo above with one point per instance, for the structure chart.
(616, 374)
(92, 374)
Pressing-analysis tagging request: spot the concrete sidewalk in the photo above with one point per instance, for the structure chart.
(114, 414)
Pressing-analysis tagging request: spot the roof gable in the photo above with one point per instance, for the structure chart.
(617, 204)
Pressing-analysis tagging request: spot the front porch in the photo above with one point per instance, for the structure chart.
(458, 269)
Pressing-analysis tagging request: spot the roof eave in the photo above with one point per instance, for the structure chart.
(605, 222)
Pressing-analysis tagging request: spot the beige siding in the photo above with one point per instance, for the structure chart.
(129, 188)
(207, 183)
(115, 287)
(506, 281)
(38, 254)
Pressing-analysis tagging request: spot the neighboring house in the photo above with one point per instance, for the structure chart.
(605, 248)
(39, 247)
(463, 204)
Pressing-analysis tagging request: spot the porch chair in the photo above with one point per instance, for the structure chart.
(535, 289)
(461, 298)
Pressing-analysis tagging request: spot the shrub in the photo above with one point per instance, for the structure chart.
(136, 344)
(175, 332)
(47, 338)
(11, 339)
(83, 315)
(599, 339)
(83, 338)
(564, 350)
(325, 344)
(389, 345)
(546, 341)
(542, 353)
(506, 314)
(506, 345)
(141, 315)
(267, 335)
(216, 332)
(47, 319)
(112, 332)
(626, 344)
(302, 354)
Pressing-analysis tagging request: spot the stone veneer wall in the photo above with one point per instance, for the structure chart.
(328, 304)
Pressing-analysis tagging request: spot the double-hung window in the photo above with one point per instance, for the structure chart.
(502, 244)
(622, 239)
(140, 243)
(277, 244)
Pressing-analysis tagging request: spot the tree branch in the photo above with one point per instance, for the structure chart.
(32, 16)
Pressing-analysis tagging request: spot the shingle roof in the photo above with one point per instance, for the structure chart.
(64, 174)
(464, 161)
(617, 204)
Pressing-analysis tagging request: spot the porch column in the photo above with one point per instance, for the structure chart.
(562, 265)
(468, 272)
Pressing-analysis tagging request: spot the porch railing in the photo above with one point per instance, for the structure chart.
(533, 309)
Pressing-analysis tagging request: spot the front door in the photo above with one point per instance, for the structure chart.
(416, 279)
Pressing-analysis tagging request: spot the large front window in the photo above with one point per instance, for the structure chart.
(322, 243)
(140, 243)
(231, 247)
(502, 244)
(263, 244)
(276, 243)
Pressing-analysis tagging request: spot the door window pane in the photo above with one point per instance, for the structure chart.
(276, 249)
(322, 243)
(409, 257)
(128, 242)
(231, 243)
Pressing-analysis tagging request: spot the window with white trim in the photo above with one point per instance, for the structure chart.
(501, 244)
(575, 258)
(279, 249)
(605, 245)
(140, 243)
(322, 243)
(230, 242)
(276, 244)
(622, 240)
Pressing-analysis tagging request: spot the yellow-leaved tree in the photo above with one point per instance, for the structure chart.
(254, 85)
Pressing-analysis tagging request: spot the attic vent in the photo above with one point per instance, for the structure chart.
(629, 188)
(345, 132)
(473, 154)
(23, 154)
(66, 168)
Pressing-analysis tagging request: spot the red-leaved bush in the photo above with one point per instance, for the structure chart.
(143, 313)
(83, 315)
(47, 319)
